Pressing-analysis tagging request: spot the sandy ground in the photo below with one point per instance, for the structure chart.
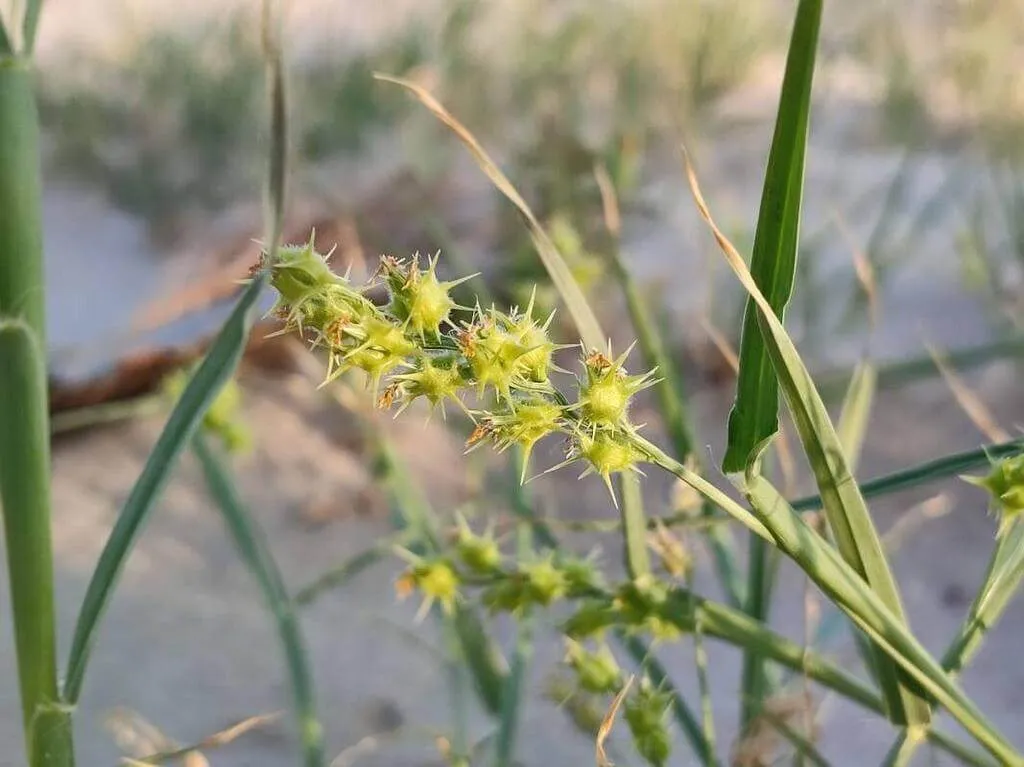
(187, 643)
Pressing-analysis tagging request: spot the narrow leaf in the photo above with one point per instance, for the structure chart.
(1001, 583)
(253, 548)
(754, 416)
(940, 468)
(216, 368)
(847, 514)
(347, 570)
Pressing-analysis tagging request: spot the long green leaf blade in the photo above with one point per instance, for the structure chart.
(847, 514)
(253, 548)
(216, 368)
(869, 611)
(754, 416)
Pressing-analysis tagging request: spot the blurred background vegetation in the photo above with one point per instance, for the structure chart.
(163, 121)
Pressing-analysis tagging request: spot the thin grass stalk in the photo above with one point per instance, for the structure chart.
(413, 513)
(255, 552)
(24, 413)
(700, 661)
(512, 697)
(940, 468)
(669, 389)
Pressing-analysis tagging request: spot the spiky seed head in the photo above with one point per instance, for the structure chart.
(494, 354)
(418, 298)
(646, 712)
(523, 423)
(597, 671)
(480, 553)
(436, 580)
(607, 451)
(435, 379)
(607, 389)
(546, 582)
(1005, 484)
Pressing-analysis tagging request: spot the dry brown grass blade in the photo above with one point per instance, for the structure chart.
(968, 401)
(862, 268)
(721, 344)
(192, 755)
(607, 723)
(586, 321)
(609, 201)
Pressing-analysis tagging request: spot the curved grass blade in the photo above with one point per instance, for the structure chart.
(253, 548)
(1002, 580)
(216, 368)
(871, 614)
(847, 514)
(754, 416)
(561, 277)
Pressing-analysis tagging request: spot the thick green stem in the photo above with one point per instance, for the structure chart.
(24, 424)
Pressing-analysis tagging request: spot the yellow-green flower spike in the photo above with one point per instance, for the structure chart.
(607, 452)
(607, 389)
(310, 295)
(1005, 483)
(596, 671)
(494, 353)
(436, 580)
(435, 379)
(480, 553)
(525, 423)
(418, 298)
(646, 713)
(534, 362)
